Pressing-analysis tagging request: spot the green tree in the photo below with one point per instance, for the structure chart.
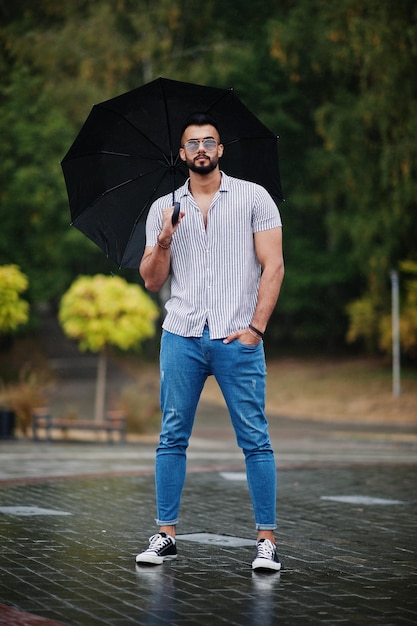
(333, 78)
(408, 315)
(46, 93)
(35, 231)
(14, 311)
(102, 311)
(354, 63)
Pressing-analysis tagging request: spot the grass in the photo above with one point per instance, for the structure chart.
(355, 390)
(346, 390)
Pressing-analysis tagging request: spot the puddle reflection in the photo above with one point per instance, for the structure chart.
(169, 594)
(159, 583)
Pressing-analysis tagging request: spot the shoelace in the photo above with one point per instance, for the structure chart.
(156, 542)
(266, 550)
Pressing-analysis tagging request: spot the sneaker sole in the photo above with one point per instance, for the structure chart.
(266, 564)
(154, 559)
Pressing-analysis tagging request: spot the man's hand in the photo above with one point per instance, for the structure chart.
(155, 264)
(167, 228)
(245, 336)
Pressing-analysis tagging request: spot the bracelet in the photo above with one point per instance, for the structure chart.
(254, 334)
(258, 332)
(161, 246)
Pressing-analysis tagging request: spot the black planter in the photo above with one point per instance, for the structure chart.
(7, 424)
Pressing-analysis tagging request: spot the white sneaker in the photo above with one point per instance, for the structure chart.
(161, 548)
(266, 556)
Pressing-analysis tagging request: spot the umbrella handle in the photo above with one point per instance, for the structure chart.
(176, 213)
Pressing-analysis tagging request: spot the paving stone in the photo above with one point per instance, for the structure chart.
(346, 535)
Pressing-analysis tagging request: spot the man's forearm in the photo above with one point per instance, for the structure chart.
(156, 262)
(155, 267)
(269, 288)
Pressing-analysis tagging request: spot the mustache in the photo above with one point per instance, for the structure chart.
(202, 155)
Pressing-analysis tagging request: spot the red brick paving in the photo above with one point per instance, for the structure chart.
(12, 616)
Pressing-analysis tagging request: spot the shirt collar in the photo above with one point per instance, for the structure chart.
(185, 189)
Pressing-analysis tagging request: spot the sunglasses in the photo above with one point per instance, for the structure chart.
(193, 145)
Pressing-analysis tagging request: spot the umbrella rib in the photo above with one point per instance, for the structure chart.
(123, 184)
(223, 95)
(137, 130)
(167, 119)
(156, 187)
(255, 138)
(171, 156)
(118, 154)
(127, 155)
(108, 152)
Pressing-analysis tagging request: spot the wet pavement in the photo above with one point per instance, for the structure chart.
(74, 515)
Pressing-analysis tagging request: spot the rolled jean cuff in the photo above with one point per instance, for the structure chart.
(168, 523)
(266, 526)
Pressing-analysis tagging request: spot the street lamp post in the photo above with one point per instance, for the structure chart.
(396, 384)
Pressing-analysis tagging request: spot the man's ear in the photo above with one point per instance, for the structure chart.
(220, 150)
(182, 154)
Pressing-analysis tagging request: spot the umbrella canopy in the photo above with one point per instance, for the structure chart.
(126, 156)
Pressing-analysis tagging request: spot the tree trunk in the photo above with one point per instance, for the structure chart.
(101, 387)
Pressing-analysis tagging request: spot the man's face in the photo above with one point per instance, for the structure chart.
(203, 158)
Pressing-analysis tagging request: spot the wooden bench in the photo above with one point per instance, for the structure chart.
(115, 422)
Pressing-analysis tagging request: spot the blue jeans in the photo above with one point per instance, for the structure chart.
(240, 371)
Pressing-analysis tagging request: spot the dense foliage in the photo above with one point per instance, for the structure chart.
(14, 310)
(100, 311)
(334, 78)
(104, 311)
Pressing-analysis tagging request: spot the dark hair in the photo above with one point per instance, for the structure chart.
(200, 118)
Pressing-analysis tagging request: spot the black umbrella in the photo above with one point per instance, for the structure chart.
(126, 155)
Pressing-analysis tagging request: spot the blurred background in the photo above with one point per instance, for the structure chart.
(335, 79)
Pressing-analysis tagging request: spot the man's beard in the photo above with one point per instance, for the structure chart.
(202, 169)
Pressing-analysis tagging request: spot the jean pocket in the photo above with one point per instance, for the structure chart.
(248, 346)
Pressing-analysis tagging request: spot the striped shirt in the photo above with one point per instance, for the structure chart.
(215, 273)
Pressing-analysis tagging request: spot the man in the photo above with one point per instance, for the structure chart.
(225, 260)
